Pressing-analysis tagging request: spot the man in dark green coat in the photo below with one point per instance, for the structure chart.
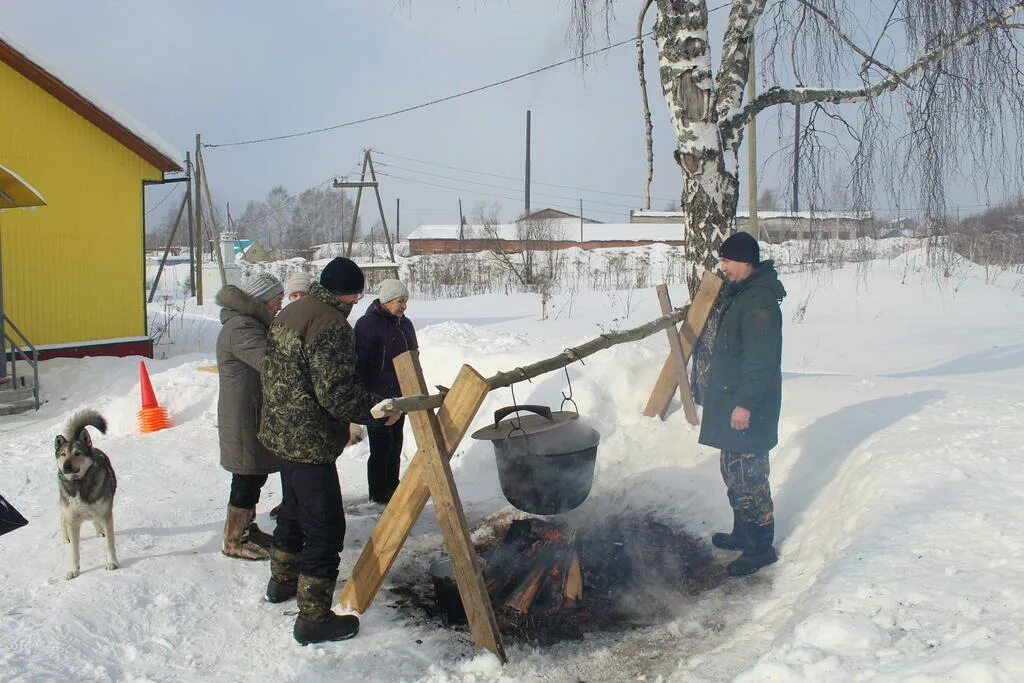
(744, 397)
(310, 394)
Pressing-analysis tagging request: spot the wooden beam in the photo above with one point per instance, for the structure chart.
(450, 515)
(696, 317)
(460, 406)
(675, 346)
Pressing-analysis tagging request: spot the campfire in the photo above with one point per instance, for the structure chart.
(549, 581)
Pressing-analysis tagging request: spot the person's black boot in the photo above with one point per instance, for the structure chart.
(757, 553)
(316, 622)
(731, 541)
(284, 576)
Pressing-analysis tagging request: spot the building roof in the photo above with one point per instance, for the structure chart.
(592, 232)
(763, 215)
(105, 116)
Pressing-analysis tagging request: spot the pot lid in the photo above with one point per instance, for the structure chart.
(524, 423)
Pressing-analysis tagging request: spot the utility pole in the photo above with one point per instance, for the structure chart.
(527, 190)
(796, 160)
(462, 223)
(752, 149)
(380, 207)
(363, 182)
(199, 223)
(191, 225)
(581, 222)
(398, 219)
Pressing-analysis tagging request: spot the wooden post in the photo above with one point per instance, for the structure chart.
(454, 417)
(696, 317)
(197, 172)
(355, 210)
(380, 207)
(678, 359)
(448, 507)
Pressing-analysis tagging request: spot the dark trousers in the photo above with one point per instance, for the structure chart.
(245, 489)
(746, 477)
(385, 458)
(311, 523)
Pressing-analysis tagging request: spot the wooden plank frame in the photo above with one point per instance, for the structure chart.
(696, 317)
(429, 476)
(675, 346)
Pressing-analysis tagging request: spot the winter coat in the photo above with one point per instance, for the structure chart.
(380, 336)
(746, 365)
(310, 390)
(241, 347)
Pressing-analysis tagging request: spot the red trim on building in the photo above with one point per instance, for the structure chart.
(141, 347)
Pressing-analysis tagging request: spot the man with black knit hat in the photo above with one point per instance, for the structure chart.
(744, 398)
(310, 394)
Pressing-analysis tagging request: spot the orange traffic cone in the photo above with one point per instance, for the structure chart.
(152, 418)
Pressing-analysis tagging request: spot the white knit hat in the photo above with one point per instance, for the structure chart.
(263, 286)
(297, 282)
(391, 289)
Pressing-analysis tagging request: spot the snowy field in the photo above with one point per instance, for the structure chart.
(897, 484)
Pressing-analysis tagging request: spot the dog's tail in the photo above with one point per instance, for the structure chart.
(81, 420)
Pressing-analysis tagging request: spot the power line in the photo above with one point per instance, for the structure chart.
(501, 187)
(532, 182)
(169, 193)
(426, 104)
(573, 207)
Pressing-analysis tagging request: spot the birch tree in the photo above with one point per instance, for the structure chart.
(946, 102)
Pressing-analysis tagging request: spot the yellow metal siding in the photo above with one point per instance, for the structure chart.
(73, 269)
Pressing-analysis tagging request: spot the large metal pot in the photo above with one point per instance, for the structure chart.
(545, 460)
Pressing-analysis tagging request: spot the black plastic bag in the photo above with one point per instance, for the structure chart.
(10, 519)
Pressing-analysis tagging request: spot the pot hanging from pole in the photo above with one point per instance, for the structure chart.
(545, 459)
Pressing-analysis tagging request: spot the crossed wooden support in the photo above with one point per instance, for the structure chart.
(429, 475)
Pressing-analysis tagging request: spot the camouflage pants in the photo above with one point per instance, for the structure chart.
(746, 477)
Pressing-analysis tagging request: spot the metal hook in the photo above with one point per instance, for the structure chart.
(565, 398)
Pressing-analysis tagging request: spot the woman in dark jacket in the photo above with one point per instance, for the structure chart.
(246, 313)
(381, 334)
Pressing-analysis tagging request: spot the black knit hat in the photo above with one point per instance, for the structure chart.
(741, 247)
(342, 276)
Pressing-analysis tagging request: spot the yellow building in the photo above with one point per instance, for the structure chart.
(73, 271)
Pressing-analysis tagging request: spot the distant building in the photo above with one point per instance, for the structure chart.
(73, 270)
(547, 229)
(779, 226)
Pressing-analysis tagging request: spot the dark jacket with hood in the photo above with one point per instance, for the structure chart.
(746, 365)
(380, 336)
(310, 390)
(241, 347)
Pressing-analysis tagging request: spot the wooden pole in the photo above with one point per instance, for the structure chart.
(213, 224)
(355, 211)
(459, 408)
(199, 222)
(570, 355)
(527, 187)
(678, 358)
(167, 250)
(696, 317)
(380, 207)
(450, 515)
(191, 226)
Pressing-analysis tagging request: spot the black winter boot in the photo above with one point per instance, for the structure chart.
(284, 576)
(316, 622)
(734, 540)
(757, 553)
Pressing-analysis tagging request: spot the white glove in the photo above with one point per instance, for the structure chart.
(378, 411)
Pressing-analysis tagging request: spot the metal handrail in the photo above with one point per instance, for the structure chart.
(17, 350)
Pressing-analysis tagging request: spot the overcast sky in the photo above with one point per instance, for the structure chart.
(234, 70)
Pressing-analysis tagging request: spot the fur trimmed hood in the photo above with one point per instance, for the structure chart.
(233, 301)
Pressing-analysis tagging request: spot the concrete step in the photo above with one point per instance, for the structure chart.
(16, 400)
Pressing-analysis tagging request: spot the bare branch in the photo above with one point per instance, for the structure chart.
(868, 59)
(775, 96)
(648, 126)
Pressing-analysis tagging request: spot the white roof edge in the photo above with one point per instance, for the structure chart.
(124, 119)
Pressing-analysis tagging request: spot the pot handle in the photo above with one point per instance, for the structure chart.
(543, 411)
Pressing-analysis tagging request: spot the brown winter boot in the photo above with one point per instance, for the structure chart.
(316, 622)
(284, 576)
(254, 534)
(234, 544)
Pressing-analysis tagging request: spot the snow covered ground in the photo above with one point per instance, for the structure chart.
(897, 485)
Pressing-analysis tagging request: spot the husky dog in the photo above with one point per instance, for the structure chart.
(87, 484)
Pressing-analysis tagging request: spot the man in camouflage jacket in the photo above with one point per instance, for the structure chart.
(310, 394)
